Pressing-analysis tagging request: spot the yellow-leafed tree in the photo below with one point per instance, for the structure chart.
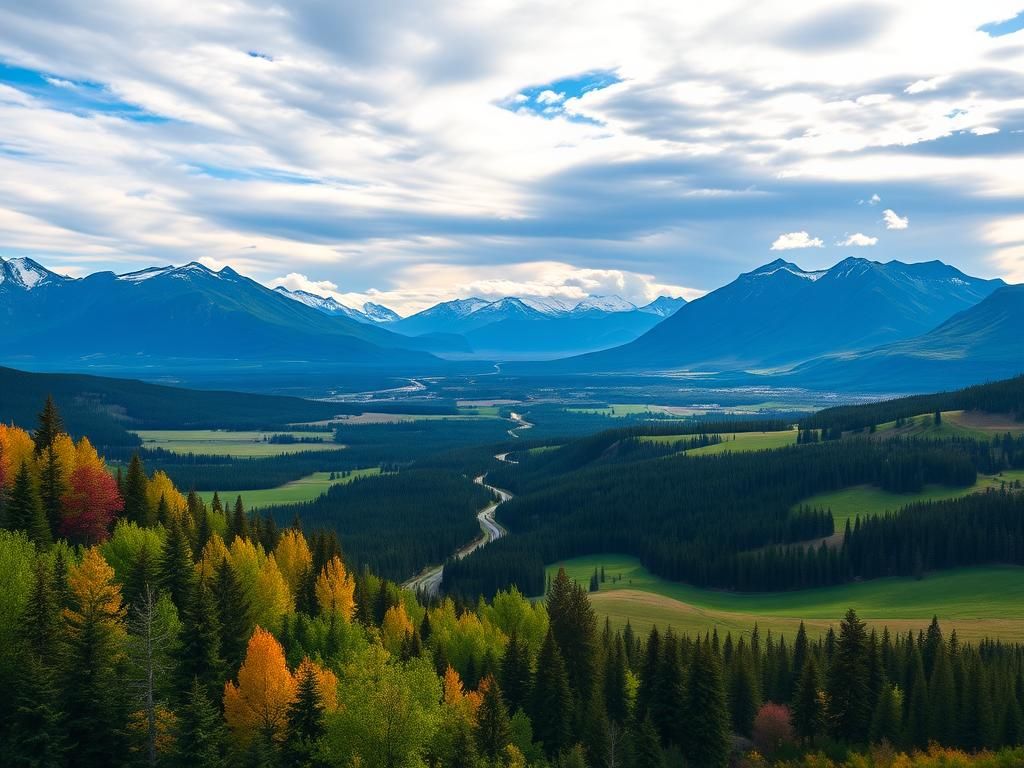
(335, 590)
(395, 627)
(259, 701)
(294, 559)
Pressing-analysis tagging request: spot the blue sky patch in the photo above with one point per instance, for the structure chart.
(251, 174)
(549, 100)
(79, 97)
(1004, 27)
(260, 55)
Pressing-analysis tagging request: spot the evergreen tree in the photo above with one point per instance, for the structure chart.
(199, 735)
(668, 700)
(977, 719)
(917, 705)
(200, 656)
(648, 674)
(233, 613)
(36, 726)
(239, 522)
(616, 695)
(25, 508)
(597, 739)
(645, 747)
(744, 696)
(50, 425)
(707, 717)
(176, 572)
(137, 507)
(493, 728)
(887, 720)
(515, 672)
(808, 704)
(848, 684)
(305, 721)
(144, 572)
(51, 487)
(574, 625)
(942, 700)
(552, 704)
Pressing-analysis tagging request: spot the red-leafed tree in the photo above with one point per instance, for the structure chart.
(90, 504)
(772, 728)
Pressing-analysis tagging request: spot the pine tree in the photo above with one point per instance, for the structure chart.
(615, 682)
(887, 720)
(707, 718)
(942, 714)
(199, 735)
(648, 674)
(493, 728)
(645, 748)
(25, 508)
(200, 656)
(917, 705)
(176, 572)
(305, 720)
(36, 727)
(137, 506)
(848, 684)
(144, 572)
(239, 522)
(597, 739)
(808, 704)
(50, 425)
(150, 640)
(52, 486)
(744, 696)
(552, 705)
(574, 625)
(667, 703)
(977, 720)
(515, 672)
(233, 613)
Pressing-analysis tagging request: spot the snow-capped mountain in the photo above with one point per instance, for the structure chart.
(25, 274)
(664, 306)
(378, 313)
(604, 304)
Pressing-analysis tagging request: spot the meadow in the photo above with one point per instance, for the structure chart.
(239, 444)
(977, 602)
(736, 442)
(868, 500)
(295, 492)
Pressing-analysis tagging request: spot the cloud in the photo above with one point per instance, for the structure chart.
(924, 86)
(873, 200)
(548, 96)
(295, 281)
(894, 220)
(858, 239)
(792, 240)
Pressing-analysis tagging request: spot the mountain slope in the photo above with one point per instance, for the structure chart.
(780, 314)
(983, 343)
(187, 315)
(370, 313)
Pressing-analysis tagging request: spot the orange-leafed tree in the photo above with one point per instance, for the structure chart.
(90, 503)
(335, 590)
(394, 628)
(326, 682)
(258, 703)
(294, 559)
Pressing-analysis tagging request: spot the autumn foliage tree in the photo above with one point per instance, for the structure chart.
(90, 504)
(258, 703)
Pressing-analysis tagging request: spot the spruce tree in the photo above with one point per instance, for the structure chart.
(707, 716)
(305, 721)
(50, 425)
(616, 695)
(515, 673)
(887, 721)
(137, 507)
(199, 734)
(144, 572)
(200, 656)
(848, 682)
(648, 674)
(574, 625)
(667, 705)
(239, 522)
(645, 747)
(493, 728)
(551, 703)
(233, 612)
(36, 725)
(917, 704)
(176, 571)
(25, 508)
(808, 704)
(942, 700)
(744, 696)
(977, 719)
(51, 488)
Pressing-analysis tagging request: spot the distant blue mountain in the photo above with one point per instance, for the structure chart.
(178, 316)
(523, 328)
(779, 315)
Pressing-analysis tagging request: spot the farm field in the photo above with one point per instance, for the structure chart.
(977, 602)
(240, 444)
(867, 500)
(737, 442)
(295, 492)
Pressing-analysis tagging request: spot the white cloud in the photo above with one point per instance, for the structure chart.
(894, 220)
(295, 281)
(858, 239)
(792, 240)
(924, 86)
(550, 97)
(984, 130)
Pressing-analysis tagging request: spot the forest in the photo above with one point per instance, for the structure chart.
(143, 627)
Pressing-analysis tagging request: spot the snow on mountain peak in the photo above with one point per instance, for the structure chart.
(605, 304)
(26, 273)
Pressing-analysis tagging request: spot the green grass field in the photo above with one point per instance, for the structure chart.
(738, 442)
(217, 442)
(977, 426)
(295, 492)
(977, 602)
(867, 500)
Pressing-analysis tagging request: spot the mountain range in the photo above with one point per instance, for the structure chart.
(780, 315)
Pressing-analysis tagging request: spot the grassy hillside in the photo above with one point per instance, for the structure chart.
(736, 442)
(240, 444)
(977, 602)
(295, 492)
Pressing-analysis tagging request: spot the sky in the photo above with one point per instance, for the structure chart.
(409, 152)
